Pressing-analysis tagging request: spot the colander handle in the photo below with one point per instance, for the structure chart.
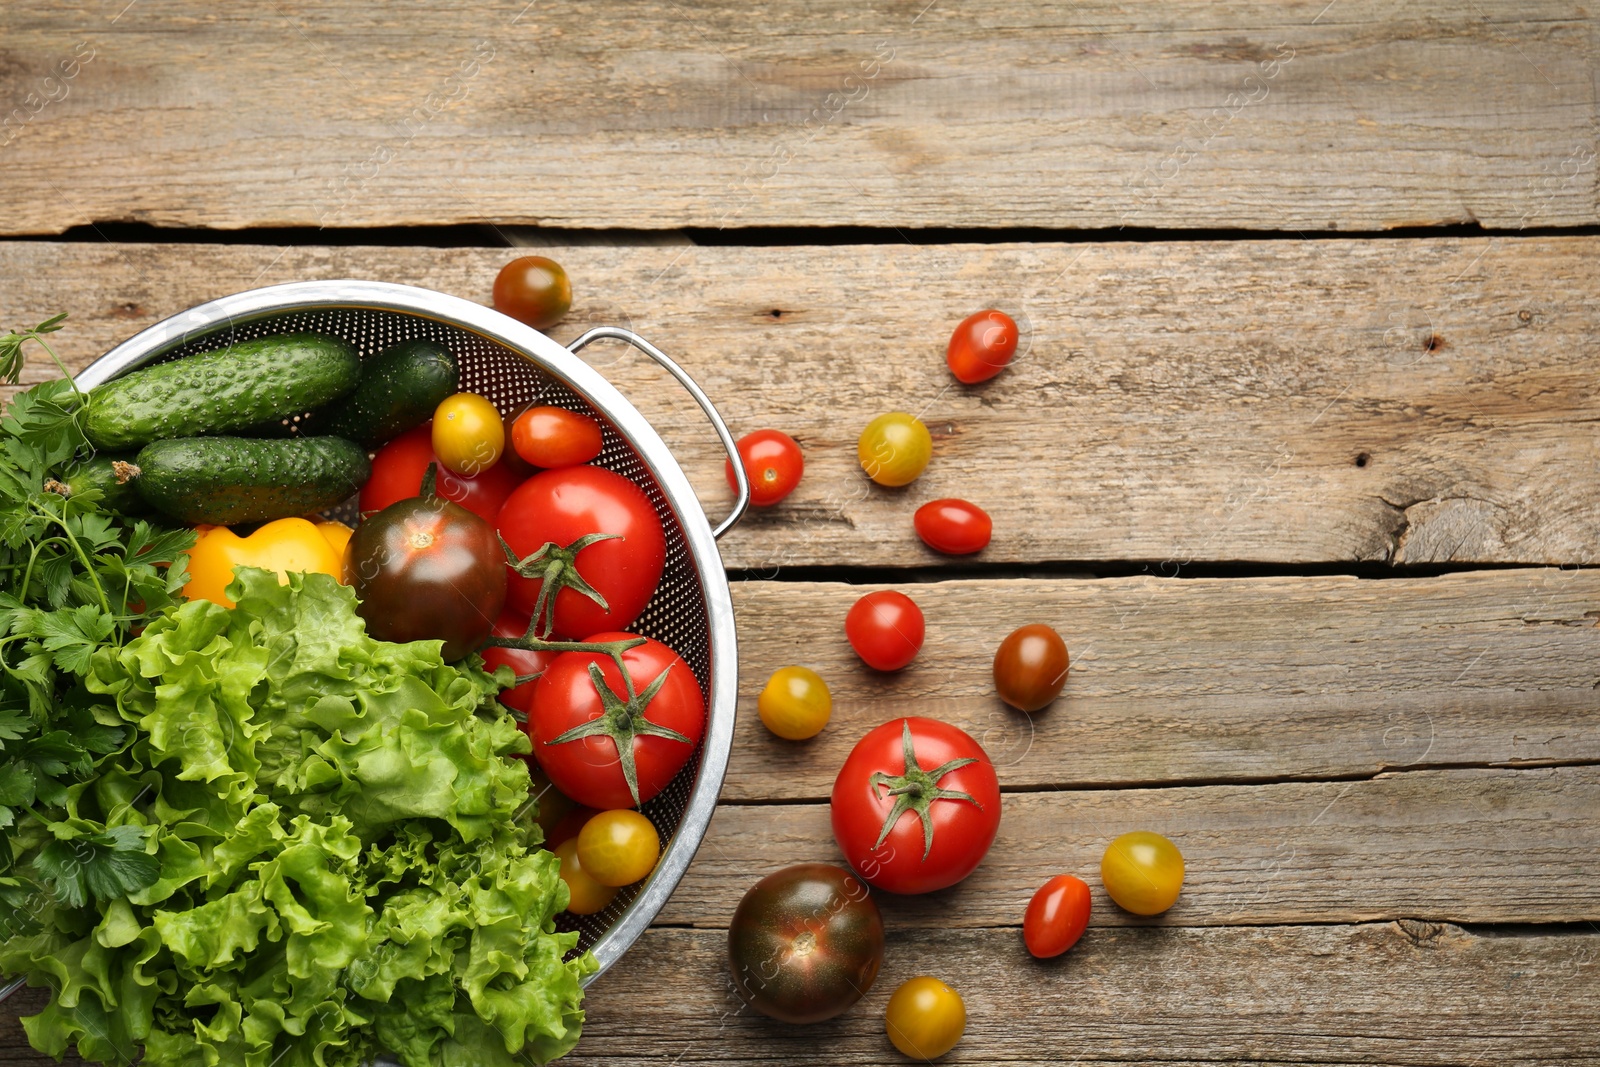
(619, 334)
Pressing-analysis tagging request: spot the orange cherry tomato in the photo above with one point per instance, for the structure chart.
(587, 896)
(551, 437)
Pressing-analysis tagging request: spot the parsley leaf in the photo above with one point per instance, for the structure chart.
(104, 865)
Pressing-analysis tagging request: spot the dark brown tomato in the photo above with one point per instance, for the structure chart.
(805, 943)
(1030, 667)
(426, 569)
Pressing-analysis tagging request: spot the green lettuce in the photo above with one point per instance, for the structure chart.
(342, 856)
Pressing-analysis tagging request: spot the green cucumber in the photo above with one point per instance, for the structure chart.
(215, 392)
(399, 388)
(228, 480)
(115, 475)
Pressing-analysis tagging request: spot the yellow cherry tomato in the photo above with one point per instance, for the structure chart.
(468, 433)
(894, 448)
(283, 546)
(925, 1018)
(618, 848)
(587, 896)
(1142, 872)
(795, 704)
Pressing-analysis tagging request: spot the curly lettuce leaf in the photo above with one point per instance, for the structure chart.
(337, 852)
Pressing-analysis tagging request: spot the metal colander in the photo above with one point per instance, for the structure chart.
(512, 364)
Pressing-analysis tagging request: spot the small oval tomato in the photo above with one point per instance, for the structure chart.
(925, 1018)
(620, 752)
(805, 943)
(551, 437)
(981, 346)
(585, 895)
(399, 466)
(583, 524)
(1057, 916)
(953, 526)
(619, 847)
(1142, 872)
(773, 464)
(1030, 667)
(894, 448)
(468, 434)
(426, 569)
(569, 825)
(795, 704)
(915, 806)
(519, 697)
(534, 290)
(886, 629)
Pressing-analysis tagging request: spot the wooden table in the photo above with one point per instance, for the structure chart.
(1301, 454)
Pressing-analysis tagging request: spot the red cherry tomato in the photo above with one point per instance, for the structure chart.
(591, 768)
(886, 629)
(551, 437)
(398, 468)
(952, 526)
(1056, 917)
(982, 346)
(514, 623)
(561, 507)
(893, 809)
(772, 462)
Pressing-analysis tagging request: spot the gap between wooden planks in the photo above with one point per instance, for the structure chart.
(1258, 115)
(1415, 401)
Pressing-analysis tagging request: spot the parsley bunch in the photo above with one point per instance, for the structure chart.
(74, 578)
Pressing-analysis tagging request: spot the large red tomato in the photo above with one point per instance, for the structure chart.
(397, 472)
(594, 536)
(514, 623)
(614, 743)
(916, 805)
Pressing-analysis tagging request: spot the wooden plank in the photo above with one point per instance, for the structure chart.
(1271, 401)
(1461, 846)
(1257, 114)
(1407, 993)
(1201, 680)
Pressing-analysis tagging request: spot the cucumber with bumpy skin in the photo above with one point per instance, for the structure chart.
(399, 389)
(216, 392)
(115, 475)
(228, 480)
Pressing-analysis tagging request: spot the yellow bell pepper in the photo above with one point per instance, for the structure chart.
(283, 546)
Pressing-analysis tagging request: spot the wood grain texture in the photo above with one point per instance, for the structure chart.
(1461, 846)
(1242, 114)
(1408, 993)
(1279, 401)
(1200, 680)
